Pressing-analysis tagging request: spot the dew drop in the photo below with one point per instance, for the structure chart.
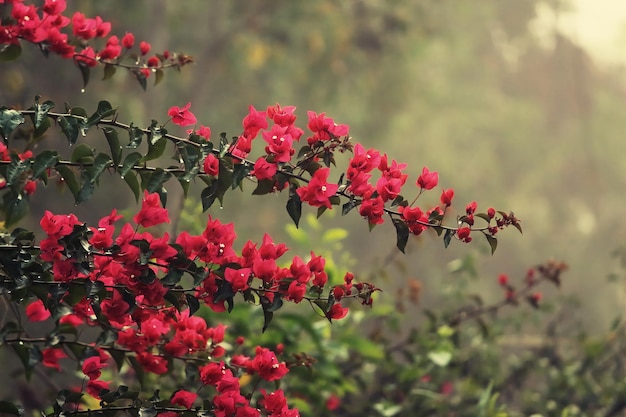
(221, 207)
(122, 176)
(82, 90)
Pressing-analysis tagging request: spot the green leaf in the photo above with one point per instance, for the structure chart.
(191, 156)
(109, 71)
(158, 76)
(347, 207)
(114, 144)
(448, 237)
(7, 407)
(240, 171)
(141, 79)
(86, 191)
(43, 161)
(131, 180)
(10, 52)
(84, 71)
(208, 195)
(15, 208)
(41, 112)
(129, 162)
(135, 135)
(224, 146)
(263, 187)
(334, 235)
(69, 127)
(156, 132)
(83, 154)
(294, 206)
(267, 319)
(440, 358)
(69, 178)
(16, 169)
(193, 304)
(104, 110)
(493, 242)
(402, 234)
(9, 120)
(155, 150)
(156, 180)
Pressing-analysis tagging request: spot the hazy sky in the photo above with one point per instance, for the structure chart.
(600, 26)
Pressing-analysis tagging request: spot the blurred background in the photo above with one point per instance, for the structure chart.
(518, 104)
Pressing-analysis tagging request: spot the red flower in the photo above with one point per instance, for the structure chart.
(253, 122)
(144, 47)
(54, 7)
(503, 279)
(318, 192)
(238, 278)
(184, 398)
(203, 131)
(95, 387)
(51, 357)
(36, 311)
(182, 116)
(446, 197)
(153, 62)
(264, 170)
(92, 366)
(372, 209)
(128, 40)
(336, 312)
(471, 208)
(279, 144)
(428, 180)
(151, 212)
(152, 363)
(464, 234)
(491, 212)
(267, 366)
(332, 403)
(211, 165)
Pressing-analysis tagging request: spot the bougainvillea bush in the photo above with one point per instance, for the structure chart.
(120, 300)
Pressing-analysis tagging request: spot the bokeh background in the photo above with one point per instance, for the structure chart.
(519, 104)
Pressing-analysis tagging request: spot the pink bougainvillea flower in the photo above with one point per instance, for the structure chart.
(151, 212)
(428, 179)
(182, 116)
(318, 192)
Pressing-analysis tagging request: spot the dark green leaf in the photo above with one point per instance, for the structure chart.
(224, 146)
(10, 52)
(448, 237)
(7, 407)
(157, 178)
(135, 135)
(43, 161)
(9, 120)
(104, 110)
(483, 216)
(240, 171)
(15, 208)
(345, 209)
(141, 79)
(304, 150)
(294, 206)
(193, 304)
(321, 210)
(156, 132)
(131, 181)
(69, 178)
(83, 154)
(41, 112)
(129, 162)
(84, 71)
(267, 318)
(86, 191)
(264, 187)
(16, 169)
(402, 234)
(155, 150)
(114, 144)
(493, 242)
(109, 71)
(191, 157)
(208, 195)
(69, 127)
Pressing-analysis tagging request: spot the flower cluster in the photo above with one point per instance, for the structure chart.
(133, 287)
(70, 37)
